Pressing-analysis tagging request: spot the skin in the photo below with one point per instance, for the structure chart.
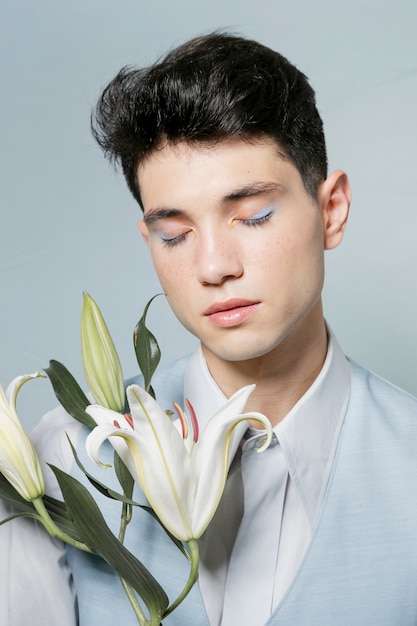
(238, 245)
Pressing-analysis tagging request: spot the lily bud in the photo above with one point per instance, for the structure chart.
(19, 462)
(101, 363)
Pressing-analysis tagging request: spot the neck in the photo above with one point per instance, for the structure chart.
(282, 376)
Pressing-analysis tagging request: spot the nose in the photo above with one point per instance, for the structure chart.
(218, 260)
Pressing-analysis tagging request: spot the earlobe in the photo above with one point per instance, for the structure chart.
(144, 231)
(334, 198)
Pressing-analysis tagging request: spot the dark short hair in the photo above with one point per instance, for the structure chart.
(212, 88)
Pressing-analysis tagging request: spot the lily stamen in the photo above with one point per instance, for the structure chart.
(129, 420)
(194, 420)
(183, 420)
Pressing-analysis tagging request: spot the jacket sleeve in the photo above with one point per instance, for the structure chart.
(35, 580)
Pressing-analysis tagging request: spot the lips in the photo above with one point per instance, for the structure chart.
(231, 312)
(229, 305)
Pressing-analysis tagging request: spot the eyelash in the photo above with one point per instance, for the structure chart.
(174, 241)
(257, 220)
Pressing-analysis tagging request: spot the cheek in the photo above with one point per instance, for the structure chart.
(308, 241)
(310, 261)
(297, 258)
(171, 273)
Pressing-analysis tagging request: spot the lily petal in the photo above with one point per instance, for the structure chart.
(109, 424)
(212, 457)
(163, 463)
(154, 454)
(13, 389)
(182, 479)
(96, 439)
(19, 462)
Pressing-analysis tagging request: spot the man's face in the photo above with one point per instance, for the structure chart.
(236, 241)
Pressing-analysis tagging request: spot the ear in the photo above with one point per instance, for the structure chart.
(334, 196)
(144, 230)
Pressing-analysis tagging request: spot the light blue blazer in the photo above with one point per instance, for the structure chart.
(361, 565)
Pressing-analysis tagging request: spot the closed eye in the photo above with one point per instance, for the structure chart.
(170, 242)
(260, 218)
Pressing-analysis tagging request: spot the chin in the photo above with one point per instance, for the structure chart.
(239, 352)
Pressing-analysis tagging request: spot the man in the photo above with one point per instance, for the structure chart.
(222, 146)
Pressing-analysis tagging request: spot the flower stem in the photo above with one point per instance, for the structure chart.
(126, 517)
(124, 520)
(134, 603)
(54, 530)
(195, 558)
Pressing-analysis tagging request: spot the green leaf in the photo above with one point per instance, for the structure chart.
(147, 349)
(69, 393)
(93, 530)
(56, 509)
(125, 478)
(58, 512)
(9, 493)
(16, 515)
(101, 487)
(177, 542)
(127, 484)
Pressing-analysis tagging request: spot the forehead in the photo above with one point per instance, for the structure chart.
(180, 173)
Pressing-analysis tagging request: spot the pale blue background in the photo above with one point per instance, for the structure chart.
(68, 222)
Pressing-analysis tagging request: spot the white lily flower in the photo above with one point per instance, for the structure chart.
(19, 462)
(182, 475)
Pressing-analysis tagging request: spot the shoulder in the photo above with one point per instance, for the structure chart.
(168, 381)
(173, 371)
(50, 438)
(381, 414)
(370, 386)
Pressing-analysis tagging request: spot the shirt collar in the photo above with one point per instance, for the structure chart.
(310, 431)
(308, 435)
(201, 389)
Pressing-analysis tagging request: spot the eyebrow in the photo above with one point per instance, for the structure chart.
(250, 190)
(247, 191)
(154, 215)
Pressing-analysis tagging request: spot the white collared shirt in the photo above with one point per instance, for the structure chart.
(308, 436)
